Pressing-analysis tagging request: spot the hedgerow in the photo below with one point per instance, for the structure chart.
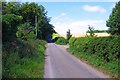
(101, 52)
(105, 47)
(61, 41)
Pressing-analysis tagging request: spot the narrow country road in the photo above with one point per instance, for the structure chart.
(61, 64)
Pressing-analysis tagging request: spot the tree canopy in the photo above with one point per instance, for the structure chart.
(114, 20)
(27, 12)
(9, 26)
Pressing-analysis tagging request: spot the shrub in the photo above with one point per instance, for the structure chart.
(71, 41)
(61, 41)
(21, 58)
(101, 52)
(105, 47)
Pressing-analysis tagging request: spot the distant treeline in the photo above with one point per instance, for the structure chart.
(99, 31)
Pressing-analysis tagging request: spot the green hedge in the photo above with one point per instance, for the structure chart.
(101, 52)
(105, 47)
(23, 59)
(61, 41)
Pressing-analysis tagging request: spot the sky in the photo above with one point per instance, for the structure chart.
(76, 16)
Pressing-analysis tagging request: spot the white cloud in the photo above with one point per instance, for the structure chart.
(59, 17)
(63, 14)
(85, 23)
(94, 9)
(63, 23)
(80, 26)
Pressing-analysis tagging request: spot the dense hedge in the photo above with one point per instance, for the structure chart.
(23, 59)
(61, 40)
(101, 52)
(105, 47)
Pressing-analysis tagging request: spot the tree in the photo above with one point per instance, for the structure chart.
(99, 31)
(9, 26)
(10, 8)
(68, 34)
(91, 31)
(28, 11)
(0, 8)
(25, 32)
(45, 29)
(114, 20)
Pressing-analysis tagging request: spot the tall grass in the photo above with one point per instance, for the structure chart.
(23, 59)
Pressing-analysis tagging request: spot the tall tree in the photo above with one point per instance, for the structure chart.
(68, 34)
(9, 26)
(114, 20)
(29, 11)
(10, 7)
(91, 31)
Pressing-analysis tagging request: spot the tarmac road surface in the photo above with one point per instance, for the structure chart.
(61, 64)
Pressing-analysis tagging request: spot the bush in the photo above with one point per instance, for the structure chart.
(61, 41)
(105, 47)
(71, 41)
(23, 59)
(101, 52)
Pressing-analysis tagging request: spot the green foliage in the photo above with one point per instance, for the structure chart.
(23, 59)
(96, 61)
(0, 8)
(114, 20)
(46, 31)
(61, 41)
(10, 8)
(99, 31)
(23, 54)
(71, 41)
(105, 47)
(28, 11)
(104, 50)
(9, 25)
(25, 32)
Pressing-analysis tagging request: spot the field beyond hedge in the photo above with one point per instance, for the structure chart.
(101, 52)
